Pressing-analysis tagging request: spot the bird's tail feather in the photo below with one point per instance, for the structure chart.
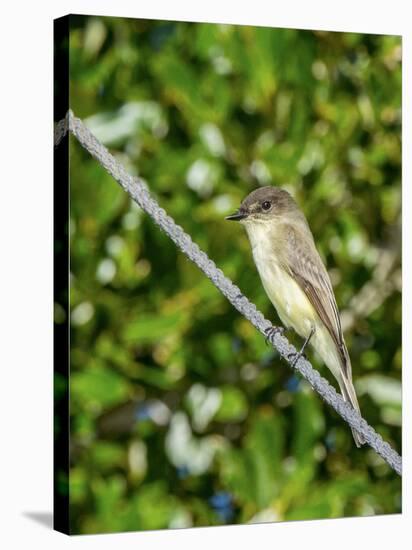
(349, 395)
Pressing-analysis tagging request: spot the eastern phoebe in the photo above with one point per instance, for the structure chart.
(295, 279)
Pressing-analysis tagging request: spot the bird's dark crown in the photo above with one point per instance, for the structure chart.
(278, 198)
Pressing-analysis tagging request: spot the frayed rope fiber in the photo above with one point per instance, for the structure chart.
(139, 193)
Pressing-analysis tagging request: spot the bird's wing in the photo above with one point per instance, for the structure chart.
(305, 265)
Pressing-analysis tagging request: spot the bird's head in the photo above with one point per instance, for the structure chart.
(264, 205)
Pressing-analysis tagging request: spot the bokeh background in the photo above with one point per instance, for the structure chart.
(180, 414)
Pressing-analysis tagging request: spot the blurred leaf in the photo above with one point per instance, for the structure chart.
(308, 425)
(98, 386)
(233, 405)
(151, 328)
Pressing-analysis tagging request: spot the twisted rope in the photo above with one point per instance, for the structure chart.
(139, 193)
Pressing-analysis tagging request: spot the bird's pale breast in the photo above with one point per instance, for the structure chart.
(291, 303)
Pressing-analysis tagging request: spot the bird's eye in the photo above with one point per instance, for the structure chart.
(266, 205)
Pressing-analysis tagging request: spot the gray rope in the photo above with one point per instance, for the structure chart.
(139, 193)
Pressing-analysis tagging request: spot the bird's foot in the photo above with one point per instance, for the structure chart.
(273, 331)
(294, 357)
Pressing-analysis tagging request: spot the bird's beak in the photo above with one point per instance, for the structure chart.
(236, 216)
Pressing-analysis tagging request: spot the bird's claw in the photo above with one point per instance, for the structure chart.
(273, 331)
(295, 356)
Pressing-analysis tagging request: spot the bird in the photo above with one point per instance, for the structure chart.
(296, 280)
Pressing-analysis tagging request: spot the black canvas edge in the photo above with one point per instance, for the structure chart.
(61, 336)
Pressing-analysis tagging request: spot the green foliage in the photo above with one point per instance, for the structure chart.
(180, 414)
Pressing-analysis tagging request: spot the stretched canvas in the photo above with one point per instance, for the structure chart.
(175, 406)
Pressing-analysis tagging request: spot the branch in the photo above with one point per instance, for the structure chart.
(139, 193)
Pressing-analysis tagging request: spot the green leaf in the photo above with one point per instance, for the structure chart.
(233, 406)
(98, 386)
(148, 329)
